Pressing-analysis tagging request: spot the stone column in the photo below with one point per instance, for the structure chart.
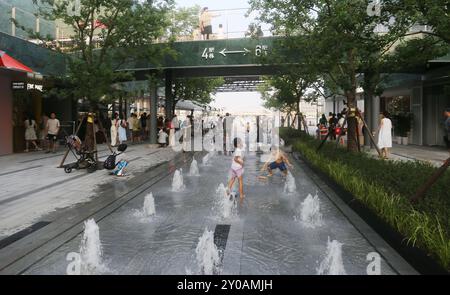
(153, 113)
(375, 114)
(367, 118)
(169, 94)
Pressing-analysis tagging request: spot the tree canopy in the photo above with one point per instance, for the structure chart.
(105, 34)
(345, 39)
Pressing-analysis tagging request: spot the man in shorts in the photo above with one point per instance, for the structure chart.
(53, 127)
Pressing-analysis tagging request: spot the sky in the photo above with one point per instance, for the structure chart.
(232, 102)
(238, 102)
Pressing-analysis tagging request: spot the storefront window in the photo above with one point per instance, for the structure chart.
(397, 104)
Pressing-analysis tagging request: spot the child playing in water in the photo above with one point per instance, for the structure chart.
(281, 162)
(237, 168)
(122, 161)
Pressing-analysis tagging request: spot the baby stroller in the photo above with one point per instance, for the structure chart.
(85, 160)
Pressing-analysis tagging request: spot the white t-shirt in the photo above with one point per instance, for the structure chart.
(130, 122)
(121, 157)
(237, 153)
(53, 126)
(162, 137)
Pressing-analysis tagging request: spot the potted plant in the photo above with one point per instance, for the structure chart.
(402, 126)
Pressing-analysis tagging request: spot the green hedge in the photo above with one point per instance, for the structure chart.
(385, 187)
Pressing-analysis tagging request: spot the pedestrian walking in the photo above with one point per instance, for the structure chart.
(136, 130)
(144, 128)
(130, 124)
(30, 134)
(53, 127)
(114, 129)
(385, 135)
(122, 130)
(206, 23)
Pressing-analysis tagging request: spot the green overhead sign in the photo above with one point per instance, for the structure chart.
(211, 53)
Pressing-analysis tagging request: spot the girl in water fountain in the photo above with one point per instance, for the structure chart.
(237, 169)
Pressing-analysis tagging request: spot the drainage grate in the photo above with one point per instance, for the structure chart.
(23, 233)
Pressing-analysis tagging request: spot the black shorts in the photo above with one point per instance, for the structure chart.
(207, 30)
(51, 137)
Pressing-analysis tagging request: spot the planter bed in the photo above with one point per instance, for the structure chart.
(420, 233)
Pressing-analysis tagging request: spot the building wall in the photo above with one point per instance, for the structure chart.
(6, 101)
(435, 101)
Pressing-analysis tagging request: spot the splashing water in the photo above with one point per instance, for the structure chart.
(332, 264)
(225, 206)
(310, 214)
(194, 169)
(207, 158)
(149, 206)
(290, 187)
(177, 182)
(207, 254)
(91, 249)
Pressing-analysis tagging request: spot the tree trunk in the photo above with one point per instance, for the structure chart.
(89, 141)
(352, 122)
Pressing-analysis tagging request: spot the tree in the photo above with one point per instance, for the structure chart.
(343, 38)
(106, 34)
(195, 89)
(184, 21)
(285, 92)
(434, 13)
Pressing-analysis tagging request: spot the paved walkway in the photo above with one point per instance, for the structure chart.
(265, 236)
(32, 189)
(433, 155)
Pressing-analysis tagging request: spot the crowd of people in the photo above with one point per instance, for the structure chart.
(334, 125)
(41, 136)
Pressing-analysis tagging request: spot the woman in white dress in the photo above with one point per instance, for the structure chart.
(114, 131)
(385, 135)
(30, 134)
(122, 130)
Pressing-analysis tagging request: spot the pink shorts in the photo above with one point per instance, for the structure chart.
(237, 172)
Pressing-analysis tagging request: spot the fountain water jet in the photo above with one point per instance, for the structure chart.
(149, 206)
(225, 205)
(177, 182)
(332, 264)
(91, 249)
(194, 169)
(310, 214)
(207, 158)
(290, 187)
(207, 254)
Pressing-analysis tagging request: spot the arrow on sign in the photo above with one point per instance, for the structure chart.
(224, 52)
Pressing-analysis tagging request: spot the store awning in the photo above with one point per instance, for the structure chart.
(187, 105)
(10, 63)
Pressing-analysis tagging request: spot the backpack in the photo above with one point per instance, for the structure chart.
(110, 162)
